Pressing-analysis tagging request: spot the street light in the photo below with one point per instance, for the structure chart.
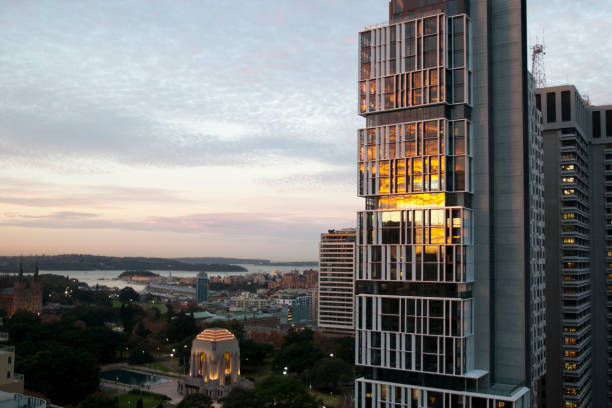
(331, 355)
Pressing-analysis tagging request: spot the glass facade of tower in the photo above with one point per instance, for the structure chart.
(202, 287)
(415, 309)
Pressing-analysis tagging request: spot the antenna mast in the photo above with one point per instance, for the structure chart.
(537, 64)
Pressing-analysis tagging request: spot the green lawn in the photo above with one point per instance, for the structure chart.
(130, 401)
(156, 365)
(329, 400)
(258, 373)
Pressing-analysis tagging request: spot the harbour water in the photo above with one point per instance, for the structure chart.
(108, 278)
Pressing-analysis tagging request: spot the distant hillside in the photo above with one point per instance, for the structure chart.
(75, 262)
(223, 261)
(267, 262)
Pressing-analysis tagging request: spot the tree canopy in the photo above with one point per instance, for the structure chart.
(275, 391)
(195, 401)
(98, 400)
(128, 295)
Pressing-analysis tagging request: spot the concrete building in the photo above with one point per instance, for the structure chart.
(578, 193)
(214, 367)
(171, 292)
(247, 300)
(449, 307)
(337, 281)
(202, 287)
(295, 308)
(11, 381)
(15, 400)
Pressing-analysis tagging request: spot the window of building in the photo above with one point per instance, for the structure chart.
(596, 124)
(566, 106)
(609, 123)
(539, 102)
(551, 107)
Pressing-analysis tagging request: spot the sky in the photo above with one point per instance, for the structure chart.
(205, 128)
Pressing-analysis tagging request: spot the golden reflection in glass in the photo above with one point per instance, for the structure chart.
(437, 235)
(384, 168)
(417, 166)
(401, 184)
(434, 163)
(434, 182)
(417, 183)
(383, 185)
(400, 166)
(412, 201)
(371, 152)
(392, 134)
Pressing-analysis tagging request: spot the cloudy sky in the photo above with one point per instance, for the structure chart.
(204, 128)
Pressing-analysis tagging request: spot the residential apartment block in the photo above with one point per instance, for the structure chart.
(337, 281)
(449, 275)
(578, 193)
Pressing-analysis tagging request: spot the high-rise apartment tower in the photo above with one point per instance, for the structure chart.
(337, 281)
(449, 290)
(578, 192)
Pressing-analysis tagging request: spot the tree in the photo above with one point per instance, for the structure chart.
(330, 374)
(140, 356)
(253, 354)
(275, 391)
(298, 352)
(180, 327)
(128, 295)
(299, 336)
(297, 357)
(63, 374)
(195, 401)
(98, 400)
(240, 398)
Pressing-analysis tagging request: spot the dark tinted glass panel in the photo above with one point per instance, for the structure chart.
(609, 123)
(597, 124)
(566, 108)
(551, 107)
(539, 102)
(458, 82)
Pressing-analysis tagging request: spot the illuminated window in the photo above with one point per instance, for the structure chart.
(570, 241)
(570, 366)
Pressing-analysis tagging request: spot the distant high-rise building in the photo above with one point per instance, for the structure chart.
(578, 193)
(337, 281)
(202, 287)
(449, 277)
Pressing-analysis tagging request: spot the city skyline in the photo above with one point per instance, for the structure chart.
(201, 129)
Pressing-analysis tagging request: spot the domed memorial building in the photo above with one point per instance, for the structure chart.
(214, 364)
